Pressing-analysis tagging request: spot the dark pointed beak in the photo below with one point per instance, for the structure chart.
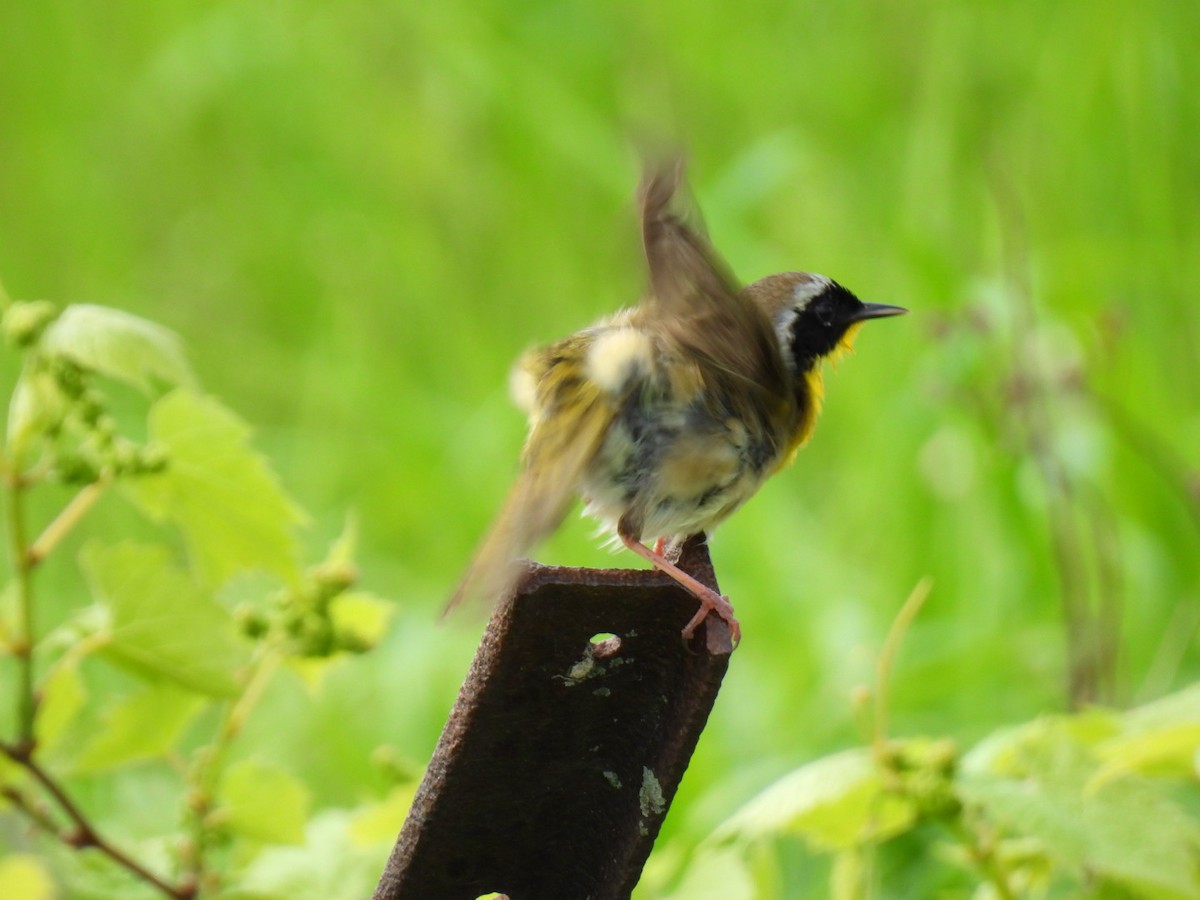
(876, 311)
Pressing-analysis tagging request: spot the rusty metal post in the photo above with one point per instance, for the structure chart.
(563, 753)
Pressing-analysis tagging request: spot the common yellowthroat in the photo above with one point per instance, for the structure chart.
(668, 416)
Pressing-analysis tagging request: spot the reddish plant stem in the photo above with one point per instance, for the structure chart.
(83, 833)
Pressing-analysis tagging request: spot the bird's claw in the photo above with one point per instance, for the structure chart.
(718, 603)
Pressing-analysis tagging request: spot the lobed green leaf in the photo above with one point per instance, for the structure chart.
(1172, 750)
(834, 803)
(160, 623)
(1123, 830)
(222, 495)
(118, 344)
(1182, 707)
(62, 696)
(1161, 738)
(330, 865)
(144, 725)
(264, 802)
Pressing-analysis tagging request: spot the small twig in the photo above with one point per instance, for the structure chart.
(255, 686)
(32, 811)
(207, 772)
(235, 717)
(25, 557)
(887, 657)
(22, 645)
(84, 833)
(70, 516)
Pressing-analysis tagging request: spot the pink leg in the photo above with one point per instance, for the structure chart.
(710, 600)
(659, 546)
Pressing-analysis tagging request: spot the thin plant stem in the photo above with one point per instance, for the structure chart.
(237, 713)
(207, 773)
(32, 811)
(887, 657)
(25, 557)
(22, 646)
(66, 520)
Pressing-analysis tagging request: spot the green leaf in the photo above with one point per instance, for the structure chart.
(361, 616)
(24, 877)
(25, 321)
(36, 406)
(221, 494)
(329, 866)
(834, 803)
(264, 802)
(1001, 752)
(143, 725)
(377, 823)
(63, 695)
(1160, 738)
(1174, 709)
(345, 546)
(1171, 750)
(160, 622)
(117, 344)
(717, 873)
(1124, 829)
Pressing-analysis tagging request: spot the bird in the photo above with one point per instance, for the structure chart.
(667, 416)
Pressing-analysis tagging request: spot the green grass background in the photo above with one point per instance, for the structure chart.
(358, 214)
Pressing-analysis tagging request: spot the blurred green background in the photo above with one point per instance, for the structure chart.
(358, 214)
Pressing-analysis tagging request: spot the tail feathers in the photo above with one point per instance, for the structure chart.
(531, 512)
(571, 417)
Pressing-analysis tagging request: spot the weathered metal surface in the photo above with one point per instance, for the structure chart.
(562, 755)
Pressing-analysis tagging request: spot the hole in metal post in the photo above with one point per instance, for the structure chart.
(605, 644)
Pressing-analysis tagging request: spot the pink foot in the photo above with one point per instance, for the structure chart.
(719, 604)
(710, 600)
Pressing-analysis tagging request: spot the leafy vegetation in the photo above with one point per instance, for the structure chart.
(357, 216)
(197, 660)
